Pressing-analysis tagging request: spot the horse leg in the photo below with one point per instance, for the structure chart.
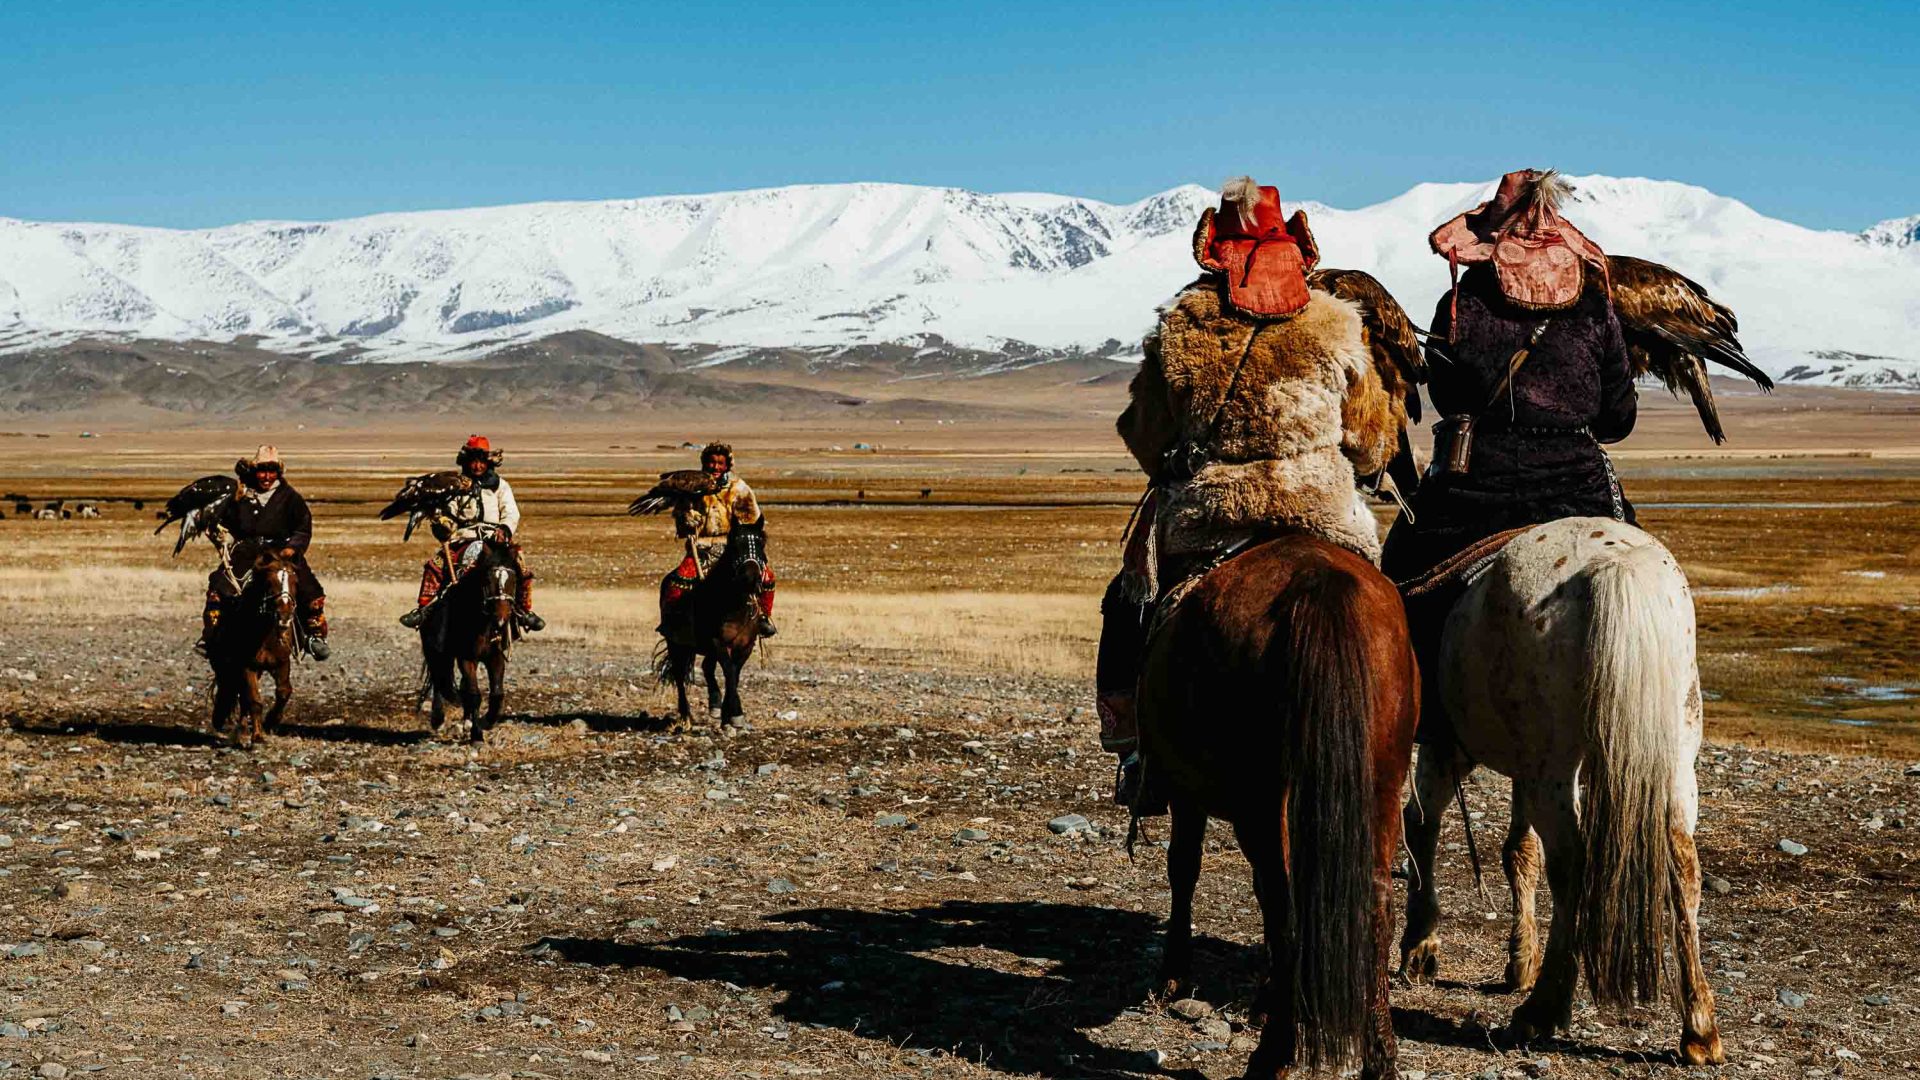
(249, 729)
(1380, 1051)
(1264, 844)
(1439, 771)
(496, 686)
(282, 693)
(1549, 1007)
(1189, 828)
(1699, 1034)
(707, 672)
(226, 693)
(470, 700)
(1520, 858)
(730, 708)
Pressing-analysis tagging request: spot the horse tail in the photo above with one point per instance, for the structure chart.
(1639, 675)
(1322, 636)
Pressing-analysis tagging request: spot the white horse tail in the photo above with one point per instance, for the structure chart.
(1640, 673)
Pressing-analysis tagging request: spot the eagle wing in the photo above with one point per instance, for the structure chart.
(1673, 328)
(1390, 334)
(675, 489)
(197, 506)
(423, 496)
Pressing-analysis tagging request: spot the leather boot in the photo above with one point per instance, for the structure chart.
(429, 591)
(524, 605)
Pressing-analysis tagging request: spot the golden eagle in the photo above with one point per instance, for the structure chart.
(425, 495)
(1390, 334)
(1673, 327)
(676, 489)
(198, 506)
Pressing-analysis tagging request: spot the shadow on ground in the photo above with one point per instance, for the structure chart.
(904, 977)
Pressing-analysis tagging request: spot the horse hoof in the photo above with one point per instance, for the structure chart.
(1421, 963)
(1707, 1051)
(1530, 1023)
(1519, 978)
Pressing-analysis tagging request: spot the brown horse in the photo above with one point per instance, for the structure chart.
(255, 636)
(1280, 694)
(472, 625)
(719, 623)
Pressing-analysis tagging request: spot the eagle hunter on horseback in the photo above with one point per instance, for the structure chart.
(263, 601)
(1556, 639)
(1254, 664)
(478, 504)
(719, 601)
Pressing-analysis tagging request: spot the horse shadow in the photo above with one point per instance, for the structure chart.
(143, 733)
(643, 721)
(870, 973)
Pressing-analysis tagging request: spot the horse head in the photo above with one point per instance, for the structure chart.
(273, 577)
(746, 554)
(500, 580)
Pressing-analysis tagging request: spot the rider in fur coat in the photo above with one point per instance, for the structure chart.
(1256, 411)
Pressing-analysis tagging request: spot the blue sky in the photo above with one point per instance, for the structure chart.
(147, 113)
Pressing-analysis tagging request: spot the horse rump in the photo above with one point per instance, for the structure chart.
(1319, 657)
(1637, 683)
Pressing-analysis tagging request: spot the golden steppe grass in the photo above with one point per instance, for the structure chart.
(1804, 566)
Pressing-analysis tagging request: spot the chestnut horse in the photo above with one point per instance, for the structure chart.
(255, 636)
(719, 623)
(1280, 694)
(472, 625)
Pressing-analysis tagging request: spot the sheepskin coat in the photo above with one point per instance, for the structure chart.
(1307, 417)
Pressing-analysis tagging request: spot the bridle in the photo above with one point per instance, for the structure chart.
(276, 601)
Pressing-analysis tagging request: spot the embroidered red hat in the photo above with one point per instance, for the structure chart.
(1263, 258)
(477, 442)
(1536, 254)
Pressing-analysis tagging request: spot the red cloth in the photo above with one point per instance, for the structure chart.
(1265, 261)
(1536, 254)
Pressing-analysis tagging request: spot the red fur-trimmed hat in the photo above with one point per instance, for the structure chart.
(1262, 257)
(478, 447)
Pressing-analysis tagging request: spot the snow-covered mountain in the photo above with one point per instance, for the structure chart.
(833, 265)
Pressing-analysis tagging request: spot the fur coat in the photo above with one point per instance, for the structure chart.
(1309, 415)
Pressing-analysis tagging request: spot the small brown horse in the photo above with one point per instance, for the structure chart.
(1281, 694)
(472, 625)
(255, 636)
(719, 623)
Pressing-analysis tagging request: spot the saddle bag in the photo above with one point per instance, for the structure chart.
(1453, 435)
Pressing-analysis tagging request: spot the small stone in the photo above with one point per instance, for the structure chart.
(11, 1030)
(232, 1008)
(330, 918)
(1067, 824)
(1878, 1000)
(26, 949)
(145, 855)
(890, 821)
(971, 836)
(767, 770)
(780, 886)
(1718, 886)
(699, 1014)
(1192, 1009)
(598, 1057)
(1214, 1029)
(1913, 769)
(974, 747)
(1157, 1057)
(52, 1070)
(359, 942)
(1537, 1067)
(1793, 847)
(418, 1040)
(1792, 999)
(578, 728)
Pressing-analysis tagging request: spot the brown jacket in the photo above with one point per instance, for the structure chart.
(1308, 415)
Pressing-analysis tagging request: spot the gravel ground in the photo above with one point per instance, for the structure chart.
(881, 879)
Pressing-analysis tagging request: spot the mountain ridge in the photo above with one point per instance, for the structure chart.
(833, 265)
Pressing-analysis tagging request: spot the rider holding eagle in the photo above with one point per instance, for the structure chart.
(465, 507)
(706, 505)
(1267, 393)
(260, 511)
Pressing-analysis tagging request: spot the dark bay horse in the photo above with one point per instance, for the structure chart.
(255, 636)
(472, 625)
(719, 623)
(1280, 694)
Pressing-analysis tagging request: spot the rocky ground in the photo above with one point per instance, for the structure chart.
(895, 873)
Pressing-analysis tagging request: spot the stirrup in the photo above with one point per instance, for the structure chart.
(412, 619)
(530, 621)
(767, 629)
(318, 648)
